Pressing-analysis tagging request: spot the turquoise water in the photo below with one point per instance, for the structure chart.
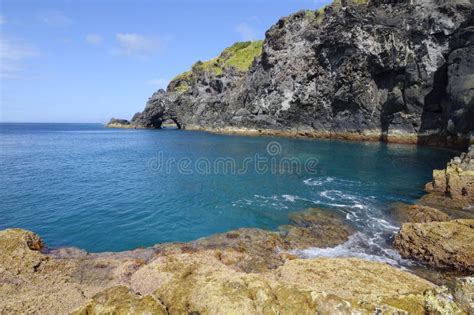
(105, 190)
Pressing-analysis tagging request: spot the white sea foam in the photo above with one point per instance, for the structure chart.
(274, 201)
(358, 246)
(364, 212)
(329, 180)
(318, 181)
(290, 198)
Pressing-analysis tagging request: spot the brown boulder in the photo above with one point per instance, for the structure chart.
(417, 213)
(456, 181)
(446, 245)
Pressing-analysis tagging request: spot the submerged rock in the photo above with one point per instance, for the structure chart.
(445, 245)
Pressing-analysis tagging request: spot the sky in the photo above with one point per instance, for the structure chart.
(88, 61)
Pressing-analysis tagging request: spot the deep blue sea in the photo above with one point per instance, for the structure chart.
(104, 189)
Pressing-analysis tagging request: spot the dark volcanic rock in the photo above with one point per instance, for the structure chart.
(389, 70)
(158, 109)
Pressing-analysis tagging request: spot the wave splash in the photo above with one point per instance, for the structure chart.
(359, 245)
(354, 200)
(374, 227)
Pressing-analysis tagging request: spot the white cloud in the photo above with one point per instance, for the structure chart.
(131, 44)
(13, 53)
(94, 39)
(159, 83)
(254, 18)
(246, 32)
(54, 19)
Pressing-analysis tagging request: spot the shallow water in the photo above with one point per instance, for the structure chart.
(109, 189)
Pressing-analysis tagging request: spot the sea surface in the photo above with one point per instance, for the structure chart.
(102, 189)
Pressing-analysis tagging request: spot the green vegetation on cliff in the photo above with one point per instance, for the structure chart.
(241, 55)
(318, 15)
(238, 56)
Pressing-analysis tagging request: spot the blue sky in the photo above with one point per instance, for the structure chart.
(86, 61)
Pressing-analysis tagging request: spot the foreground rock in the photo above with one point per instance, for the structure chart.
(207, 281)
(445, 245)
(202, 282)
(398, 71)
(122, 300)
(464, 293)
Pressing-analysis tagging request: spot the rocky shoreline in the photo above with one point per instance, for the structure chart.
(397, 71)
(256, 271)
(371, 136)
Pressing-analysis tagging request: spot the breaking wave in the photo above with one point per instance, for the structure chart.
(359, 245)
(353, 200)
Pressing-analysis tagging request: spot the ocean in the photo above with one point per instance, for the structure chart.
(100, 189)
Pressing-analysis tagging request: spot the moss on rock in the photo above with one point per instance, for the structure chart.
(121, 300)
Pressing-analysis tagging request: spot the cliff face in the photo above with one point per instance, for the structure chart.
(390, 70)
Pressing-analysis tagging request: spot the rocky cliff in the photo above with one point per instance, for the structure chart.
(380, 69)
